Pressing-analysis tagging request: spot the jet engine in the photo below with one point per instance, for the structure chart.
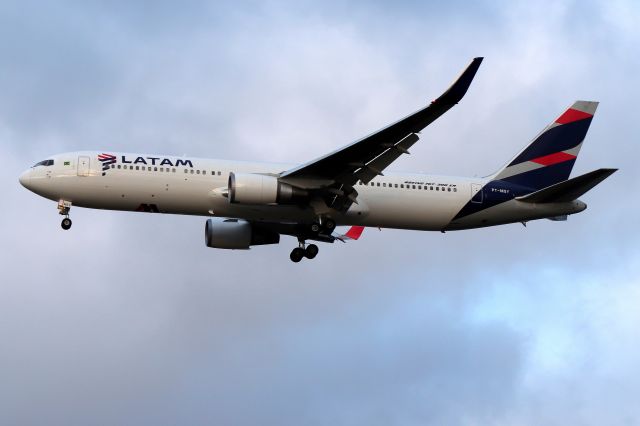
(236, 234)
(251, 188)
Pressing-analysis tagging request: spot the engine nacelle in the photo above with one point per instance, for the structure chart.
(236, 234)
(250, 188)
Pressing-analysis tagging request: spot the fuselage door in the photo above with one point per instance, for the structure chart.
(83, 166)
(476, 193)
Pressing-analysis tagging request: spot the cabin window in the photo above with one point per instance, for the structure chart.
(413, 187)
(155, 169)
(455, 189)
(162, 169)
(198, 171)
(173, 170)
(448, 189)
(219, 173)
(384, 184)
(191, 171)
(419, 186)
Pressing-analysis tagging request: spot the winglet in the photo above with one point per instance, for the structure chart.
(459, 88)
(352, 234)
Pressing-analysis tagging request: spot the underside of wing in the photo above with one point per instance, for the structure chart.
(333, 176)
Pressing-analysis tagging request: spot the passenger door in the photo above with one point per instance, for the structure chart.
(476, 193)
(83, 166)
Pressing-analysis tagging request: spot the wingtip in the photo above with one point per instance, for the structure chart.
(354, 232)
(459, 88)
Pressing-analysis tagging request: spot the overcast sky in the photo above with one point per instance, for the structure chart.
(129, 319)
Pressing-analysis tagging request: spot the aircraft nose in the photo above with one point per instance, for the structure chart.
(25, 178)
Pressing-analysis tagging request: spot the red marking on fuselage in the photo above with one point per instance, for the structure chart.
(571, 115)
(558, 157)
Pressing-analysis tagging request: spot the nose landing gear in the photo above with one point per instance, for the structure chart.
(301, 251)
(63, 209)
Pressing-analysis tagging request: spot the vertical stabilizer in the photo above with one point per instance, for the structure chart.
(549, 158)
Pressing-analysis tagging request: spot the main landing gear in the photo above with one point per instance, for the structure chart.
(323, 226)
(63, 209)
(301, 251)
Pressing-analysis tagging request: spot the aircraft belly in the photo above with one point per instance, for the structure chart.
(411, 210)
(512, 211)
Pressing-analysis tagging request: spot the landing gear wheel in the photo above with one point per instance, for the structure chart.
(297, 254)
(329, 224)
(66, 223)
(311, 251)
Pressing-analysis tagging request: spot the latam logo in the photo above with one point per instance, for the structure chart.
(107, 160)
(157, 161)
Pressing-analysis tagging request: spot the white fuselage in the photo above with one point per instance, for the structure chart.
(195, 186)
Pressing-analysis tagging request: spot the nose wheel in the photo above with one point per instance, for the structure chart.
(63, 209)
(309, 251)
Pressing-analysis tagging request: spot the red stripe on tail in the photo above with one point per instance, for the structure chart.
(572, 115)
(558, 157)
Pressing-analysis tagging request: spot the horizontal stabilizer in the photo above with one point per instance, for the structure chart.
(568, 190)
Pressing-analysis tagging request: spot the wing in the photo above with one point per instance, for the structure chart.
(352, 234)
(363, 160)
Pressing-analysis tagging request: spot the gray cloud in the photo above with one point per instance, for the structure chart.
(130, 319)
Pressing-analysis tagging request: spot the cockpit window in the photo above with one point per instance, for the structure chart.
(44, 163)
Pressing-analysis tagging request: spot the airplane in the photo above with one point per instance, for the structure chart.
(254, 203)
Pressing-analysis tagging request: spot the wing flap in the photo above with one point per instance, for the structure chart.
(381, 162)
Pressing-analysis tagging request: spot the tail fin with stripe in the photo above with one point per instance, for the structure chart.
(549, 158)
